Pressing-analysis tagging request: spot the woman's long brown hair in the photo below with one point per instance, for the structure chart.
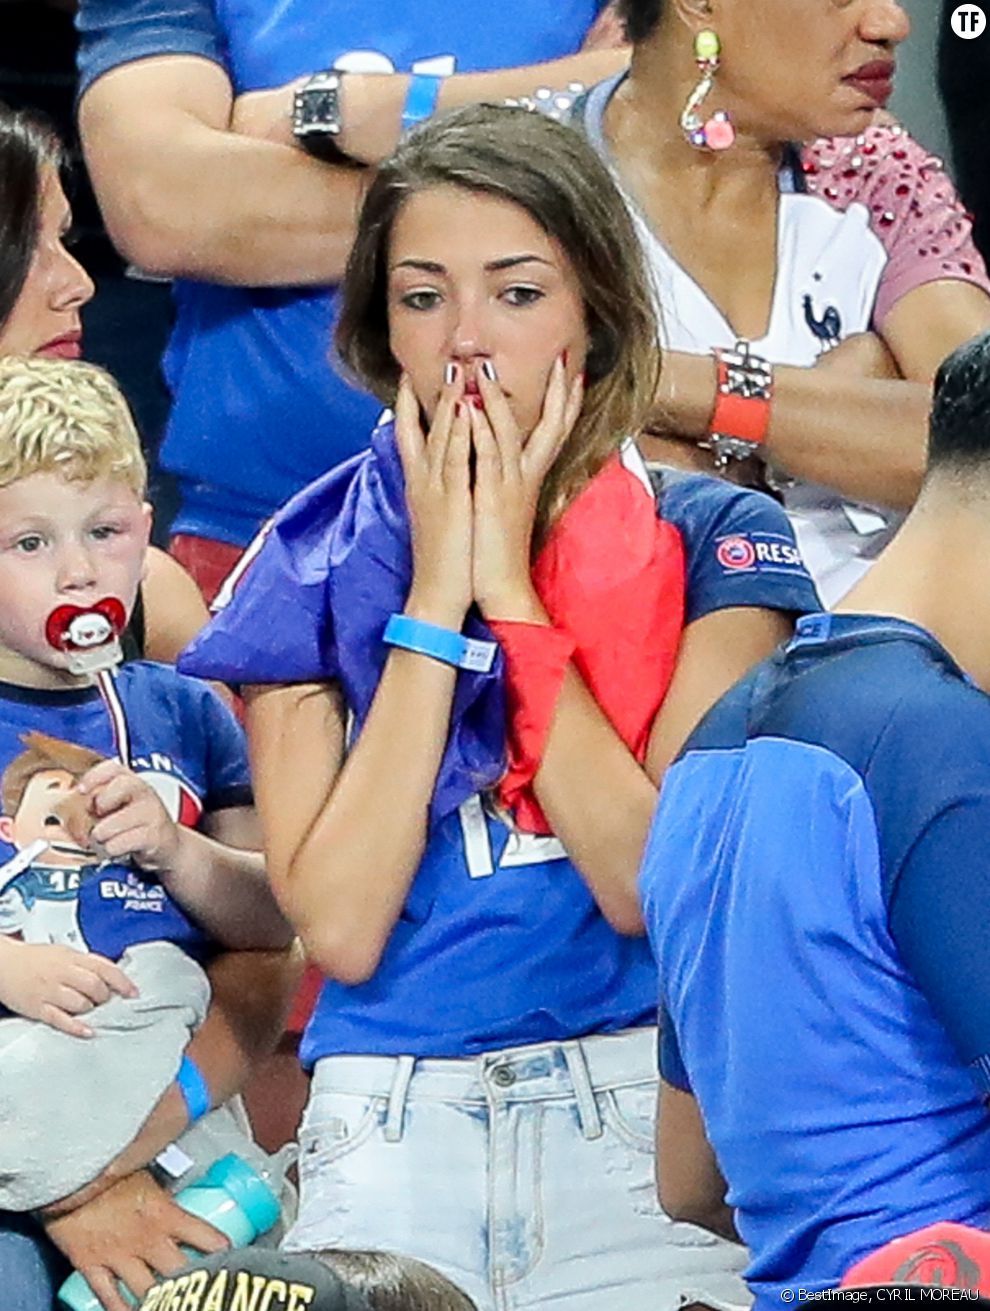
(549, 170)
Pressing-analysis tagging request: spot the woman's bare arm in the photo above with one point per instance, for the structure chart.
(174, 609)
(596, 797)
(343, 839)
(598, 800)
(689, 1182)
(715, 652)
(864, 435)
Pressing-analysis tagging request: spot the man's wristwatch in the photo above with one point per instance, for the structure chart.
(316, 115)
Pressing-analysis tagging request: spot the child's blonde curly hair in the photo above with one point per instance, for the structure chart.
(66, 417)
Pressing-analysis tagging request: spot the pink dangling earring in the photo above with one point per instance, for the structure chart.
(716, 132)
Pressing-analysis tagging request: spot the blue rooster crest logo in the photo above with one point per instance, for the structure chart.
(827, 330)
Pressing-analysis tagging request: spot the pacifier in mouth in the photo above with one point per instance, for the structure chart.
(88, 634)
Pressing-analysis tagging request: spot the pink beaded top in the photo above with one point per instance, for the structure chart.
(912, 205)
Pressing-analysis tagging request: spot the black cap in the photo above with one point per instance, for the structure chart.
(274, 1280)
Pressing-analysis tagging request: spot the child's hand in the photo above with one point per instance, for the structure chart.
(130, 821)
(55, 984)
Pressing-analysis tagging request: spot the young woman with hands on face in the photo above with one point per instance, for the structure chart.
(494, 633)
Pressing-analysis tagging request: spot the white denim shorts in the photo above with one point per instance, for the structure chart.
(525, 1175)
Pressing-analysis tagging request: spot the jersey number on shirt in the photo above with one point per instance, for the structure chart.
(521, 849)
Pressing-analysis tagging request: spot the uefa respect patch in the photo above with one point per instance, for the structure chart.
(740, 553)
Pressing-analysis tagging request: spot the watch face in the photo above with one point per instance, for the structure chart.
(316, 111)
(318, 108)
(316, 114)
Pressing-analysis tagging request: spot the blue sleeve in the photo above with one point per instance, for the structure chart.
(671, 1066)
(114, 32)
(274, 625)
(228, 774)
(939, 912)
(739, 548)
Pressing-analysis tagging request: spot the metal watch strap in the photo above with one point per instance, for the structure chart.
(743, 378)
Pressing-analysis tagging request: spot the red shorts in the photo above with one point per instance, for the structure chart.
(208, 561)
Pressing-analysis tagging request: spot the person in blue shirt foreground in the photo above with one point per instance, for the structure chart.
(483, 1050)
(815, 889)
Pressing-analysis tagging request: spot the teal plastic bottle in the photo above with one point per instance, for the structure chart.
(231, 1196)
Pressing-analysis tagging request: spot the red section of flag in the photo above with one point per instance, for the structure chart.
(611, 577)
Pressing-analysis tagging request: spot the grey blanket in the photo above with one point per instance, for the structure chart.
(69, 1106)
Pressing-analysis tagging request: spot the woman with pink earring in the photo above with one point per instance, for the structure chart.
(812, 264)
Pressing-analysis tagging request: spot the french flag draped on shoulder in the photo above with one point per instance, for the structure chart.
(312, 601)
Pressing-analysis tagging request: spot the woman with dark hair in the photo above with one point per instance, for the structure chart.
(43, 289)
(42, 286)
(468, 657)
(812, 265)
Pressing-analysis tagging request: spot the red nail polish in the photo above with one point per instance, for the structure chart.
(476, 400)
(564, 357)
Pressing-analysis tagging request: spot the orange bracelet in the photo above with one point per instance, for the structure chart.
(742, 404)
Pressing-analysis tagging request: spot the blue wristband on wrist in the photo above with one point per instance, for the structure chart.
(441, 643)
(194, 1091)
(421, 99)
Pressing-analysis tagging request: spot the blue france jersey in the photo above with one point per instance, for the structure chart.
(183, 741)
(248, 367)
(816, 887)
(739, 548)
(500, 942)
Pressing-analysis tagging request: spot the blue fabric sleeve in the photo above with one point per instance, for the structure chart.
(739, 548)
(114, 32)
(671, 1066)
(939, 912)
(272, 630)
(275, 625)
